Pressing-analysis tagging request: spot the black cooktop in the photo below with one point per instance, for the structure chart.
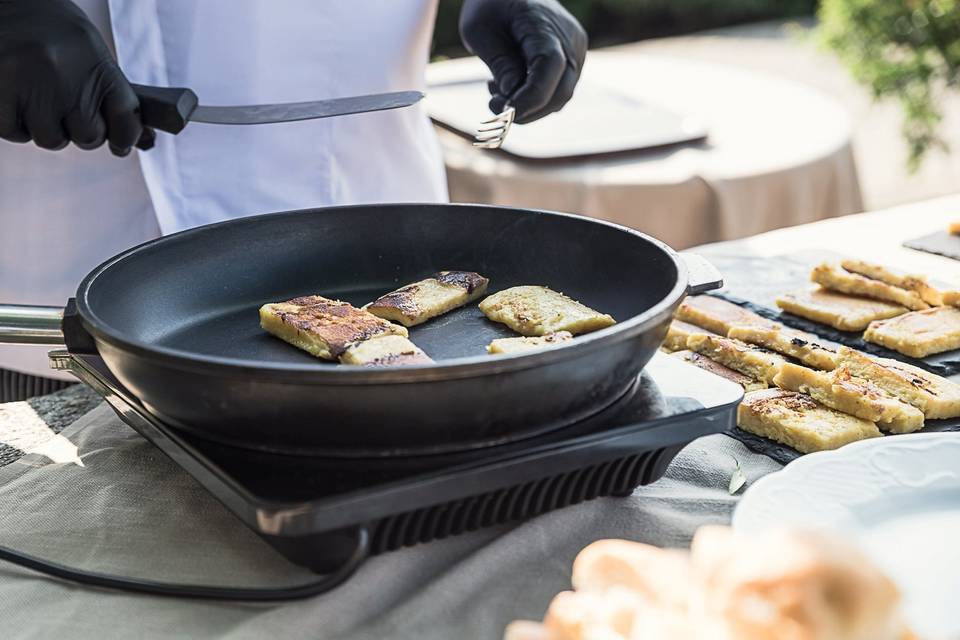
(316, 510)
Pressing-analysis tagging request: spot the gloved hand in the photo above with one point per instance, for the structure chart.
(58, 81)
(534, 48)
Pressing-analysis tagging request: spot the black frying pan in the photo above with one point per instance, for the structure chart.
(176, 322)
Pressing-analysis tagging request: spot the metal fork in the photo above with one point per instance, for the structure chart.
(493, 132)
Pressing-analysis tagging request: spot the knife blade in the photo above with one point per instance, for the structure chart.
(170, 109)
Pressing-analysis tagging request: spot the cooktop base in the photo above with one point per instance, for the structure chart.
(319, 511)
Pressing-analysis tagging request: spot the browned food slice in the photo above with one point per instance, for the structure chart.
(748, 359)
(799, 421)
(836, 279)
(418, 302)
(321, 326)
(809, 349)
(717, 315)
(856, 396)
(840, 311)
(927, 292)
(714, 367)
(954, 228)
(918, 333)
(537, 311)
(935, 396)
(679, 332)
(506, 346)
(951, 298)
(383, 351)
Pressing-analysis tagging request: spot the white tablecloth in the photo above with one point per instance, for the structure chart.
(778, 154)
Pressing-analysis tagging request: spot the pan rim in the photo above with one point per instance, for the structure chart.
(453, 368)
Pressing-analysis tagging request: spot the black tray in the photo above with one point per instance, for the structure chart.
(783, 274)
(940, 243)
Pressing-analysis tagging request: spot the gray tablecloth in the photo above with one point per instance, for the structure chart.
(130, 511)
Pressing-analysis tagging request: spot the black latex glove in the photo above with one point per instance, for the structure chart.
(59, 83)
(534, 48)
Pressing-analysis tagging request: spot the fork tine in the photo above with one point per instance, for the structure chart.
(492, 132)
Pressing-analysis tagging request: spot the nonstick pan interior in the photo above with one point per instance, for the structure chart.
(198, 293)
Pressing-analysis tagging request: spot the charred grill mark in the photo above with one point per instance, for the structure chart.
(337, 323)
(770, 403)
(403, 300)
(469, 281)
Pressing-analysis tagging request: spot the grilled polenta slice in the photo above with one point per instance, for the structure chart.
(321, 326)
(936, 397)
(748, 359)
(809, 349)
(714, 367)
(418, 302)
(840, 311)
(927, 292)
(951, 298)
(506, 346)
(799, 421)
(856, 396)
(717, 315)
(836, 279)
(537, 311)
(678, 333)
(918, 333)
(383, 351)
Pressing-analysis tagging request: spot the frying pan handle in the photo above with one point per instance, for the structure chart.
(701, 275)
(28, 324)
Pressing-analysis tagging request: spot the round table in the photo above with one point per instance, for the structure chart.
(777, 153)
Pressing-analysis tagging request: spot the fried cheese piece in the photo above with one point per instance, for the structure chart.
(809, 349)
(506, 346)
(537, 311)
(927, 292)
(321, 326)
(417, 302)
(714, 367)
(799, 421)
(935, 396)
(717, 315)
(918, 333)
(856, 396)
(951, 298)
(954, 228)
(750, 360)
(678, 334)
(383, 351)
(843, 312)
(837, 279)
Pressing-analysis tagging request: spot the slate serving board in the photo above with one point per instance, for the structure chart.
(782, 274)
(940, 243)
(754, 283)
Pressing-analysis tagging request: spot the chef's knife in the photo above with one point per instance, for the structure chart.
(170, 109)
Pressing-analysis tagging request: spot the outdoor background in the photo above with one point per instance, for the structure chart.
(780, 37)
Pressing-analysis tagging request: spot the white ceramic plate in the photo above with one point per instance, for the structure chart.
(898, 497)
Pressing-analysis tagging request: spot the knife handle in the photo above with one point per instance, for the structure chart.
(165, 108)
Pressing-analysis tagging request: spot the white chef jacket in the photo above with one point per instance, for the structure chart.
(62, 213)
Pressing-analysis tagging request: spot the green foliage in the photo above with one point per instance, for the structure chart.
(908, 50)
(616, 21)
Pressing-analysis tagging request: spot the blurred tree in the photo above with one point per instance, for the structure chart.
(616, 21)
(908, 50)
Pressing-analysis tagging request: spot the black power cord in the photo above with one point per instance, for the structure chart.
(206, 592)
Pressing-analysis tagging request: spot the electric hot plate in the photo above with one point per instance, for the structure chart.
(320, 512)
